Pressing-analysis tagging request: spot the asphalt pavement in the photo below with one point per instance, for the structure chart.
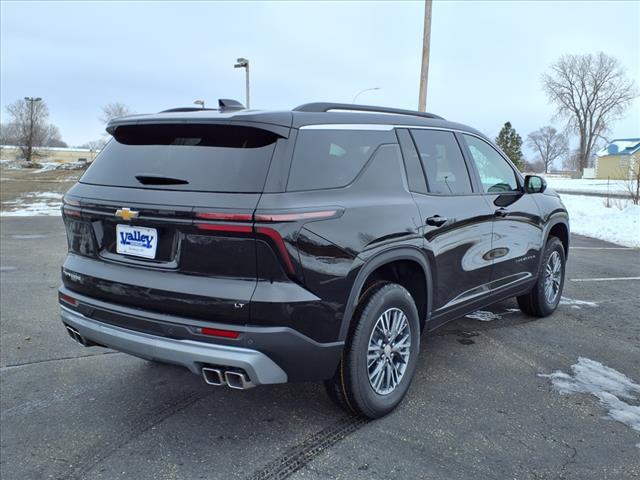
(477, 408)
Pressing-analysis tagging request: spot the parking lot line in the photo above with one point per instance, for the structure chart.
(604, 279)
(602, 248)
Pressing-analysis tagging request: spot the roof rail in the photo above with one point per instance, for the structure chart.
(187, 109)
(326, 106)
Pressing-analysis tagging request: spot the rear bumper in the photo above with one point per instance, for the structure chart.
(188, 353)
(268, 354)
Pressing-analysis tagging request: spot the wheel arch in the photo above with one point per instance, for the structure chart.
(384, 259)
(558, 226)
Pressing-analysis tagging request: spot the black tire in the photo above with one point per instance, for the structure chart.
(350, 387)
(536, 303)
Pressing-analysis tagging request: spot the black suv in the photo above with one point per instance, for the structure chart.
(261, 247)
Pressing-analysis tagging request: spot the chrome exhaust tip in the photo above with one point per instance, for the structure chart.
(238, 380)
(75, 335)
(213, 376)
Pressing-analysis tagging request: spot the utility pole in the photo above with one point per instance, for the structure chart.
(244, 63)
(424, 71)
(31, 101)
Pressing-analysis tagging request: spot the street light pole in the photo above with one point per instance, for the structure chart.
(244, 63)
(424, 71)
(362, 91)
(29, 145)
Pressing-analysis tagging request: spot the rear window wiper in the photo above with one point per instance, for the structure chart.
(150, 179)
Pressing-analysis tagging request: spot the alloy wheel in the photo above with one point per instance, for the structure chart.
(552, 278)
(389, 350)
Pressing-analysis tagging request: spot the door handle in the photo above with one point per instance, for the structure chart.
(436, 221)
(501, 212)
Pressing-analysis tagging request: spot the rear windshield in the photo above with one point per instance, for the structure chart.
(210, 158)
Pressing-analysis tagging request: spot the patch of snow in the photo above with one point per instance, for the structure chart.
(588, 216)
(48, 166)
(35, 209)
(586, 185)
(48, 204)
(613, 389)
(483, 316)
(47, 195)
(576, 303)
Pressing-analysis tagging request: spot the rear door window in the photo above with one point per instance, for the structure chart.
(442, 161)
(194, 157)
(325, 158)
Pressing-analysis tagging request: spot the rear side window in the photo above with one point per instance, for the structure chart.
(331, 158)
(209, 158)
(442, 161)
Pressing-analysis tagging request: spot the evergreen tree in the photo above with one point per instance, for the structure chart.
(511, 144)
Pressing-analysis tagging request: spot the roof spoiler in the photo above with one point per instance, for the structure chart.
(223, 104)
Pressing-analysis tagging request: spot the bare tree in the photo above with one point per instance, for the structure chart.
(114, 110)
(591, 92)
(94, 145)
(631, 180)
(8, 134)
(548, 144)
(535, 166)
(30, 129)
(54, 139)
(571, 162)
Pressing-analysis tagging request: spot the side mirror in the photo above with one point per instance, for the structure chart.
(534, 184)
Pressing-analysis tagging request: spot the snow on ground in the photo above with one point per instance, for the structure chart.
(487, 316)
(48, 166)
(577, 304)
(41, 166)
(586, 185)
(33, 204)
(483, 316)
(615, 391)
(588, 216)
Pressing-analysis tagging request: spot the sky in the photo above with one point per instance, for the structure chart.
(486, 61)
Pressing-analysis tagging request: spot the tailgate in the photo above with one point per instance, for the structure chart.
(162, 205)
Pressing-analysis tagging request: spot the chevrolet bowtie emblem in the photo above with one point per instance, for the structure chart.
(126, 214)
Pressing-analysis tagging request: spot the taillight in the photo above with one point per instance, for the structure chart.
(216, 332)
(279, 243)
(223, 216)
(225, 228)
(71, 212)
(68, 299)
(71, 207)
(295, 216)
(263, 217)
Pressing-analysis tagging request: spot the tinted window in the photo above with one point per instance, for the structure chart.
(442, 162)
(213, 158)
(331, 158)
(415, 175)
(496, 174)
